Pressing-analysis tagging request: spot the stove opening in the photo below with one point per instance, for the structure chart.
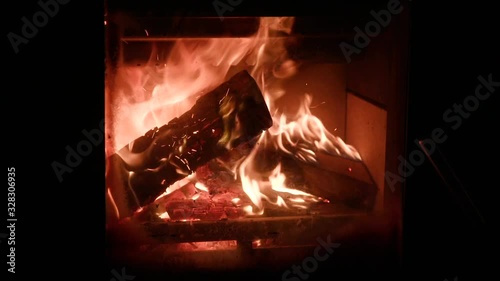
(240, 143)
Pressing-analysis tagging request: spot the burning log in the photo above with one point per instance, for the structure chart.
(230, 115)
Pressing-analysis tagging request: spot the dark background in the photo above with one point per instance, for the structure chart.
(53, 89)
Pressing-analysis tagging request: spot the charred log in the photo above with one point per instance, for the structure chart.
(232, 114)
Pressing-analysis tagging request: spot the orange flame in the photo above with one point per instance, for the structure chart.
(150, 96)
(305, 135)
(271, 188)
(154, 94)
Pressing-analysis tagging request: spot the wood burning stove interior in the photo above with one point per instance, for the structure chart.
(209, 219)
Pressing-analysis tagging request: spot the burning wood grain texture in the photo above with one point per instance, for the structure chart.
(341, 180)
(233, 113)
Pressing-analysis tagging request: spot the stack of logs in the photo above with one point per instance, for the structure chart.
(223, 125)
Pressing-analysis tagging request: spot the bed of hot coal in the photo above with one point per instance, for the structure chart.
(209, 231)
(221, 196)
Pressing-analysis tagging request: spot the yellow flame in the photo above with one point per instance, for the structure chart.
(201, 186)
(249, 211)
(113, 203)
(152, 95)
(280, 202)
(164, 216)
(274, 186)
(306, 134)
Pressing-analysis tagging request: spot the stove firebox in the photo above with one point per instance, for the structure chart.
(244, 144)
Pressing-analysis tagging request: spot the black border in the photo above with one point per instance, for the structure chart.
(451, 45)
(53, 89)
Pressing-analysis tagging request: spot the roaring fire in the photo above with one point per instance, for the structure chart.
(161, 90)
